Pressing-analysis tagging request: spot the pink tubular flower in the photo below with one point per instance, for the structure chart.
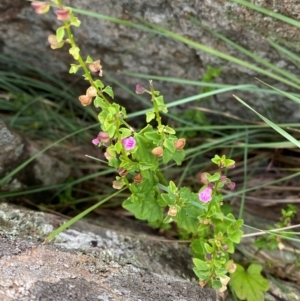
(102, 137)
(231, 185)
(203, 177)
(223, 179)
(205, 195)
(40, 7)
(63, 14)
(129, 143)
(96, 67)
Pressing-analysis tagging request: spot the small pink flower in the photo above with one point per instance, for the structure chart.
(96, 67)
(210, 185)
(63, 14)
(40, 7)
(129, 143)
(205, 195)
(102, 137)
(96, 141)
(223, 179)
(231, 185)
(139, 89)
(203, 177)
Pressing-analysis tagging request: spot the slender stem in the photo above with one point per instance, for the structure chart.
(161, 177)
(156, 109)
(80, 60)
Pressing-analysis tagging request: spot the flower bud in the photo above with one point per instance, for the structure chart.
(203, 178)
(180, 143)
(172, 211)
(225, 248)
(122, 172)
(117, 184)
(109, 154)
(139, 89)
(85, 100)
(40, 7)
(54, 44)
(231, 185)
(202, 283)
(208, 256)
(223, 179)
(138, 178)
(63, 14)
(158, 151)
(91, 92)
(224, 280)
(96, 67)
(230, 266)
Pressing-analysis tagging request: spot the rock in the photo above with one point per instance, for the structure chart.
(89, 262)
(15, 150)
(126, 49)
(11, 149)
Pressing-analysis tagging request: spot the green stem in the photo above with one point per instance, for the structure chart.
(161, 177)
(156, 109)
(80, 60)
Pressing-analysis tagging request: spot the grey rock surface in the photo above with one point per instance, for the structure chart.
(125, 49)
(89, 262)
(15, 150)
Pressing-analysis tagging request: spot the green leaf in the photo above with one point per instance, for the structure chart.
(125, 132)
(197, 246)
(98, 102)
(144, 208)
(233, 227)
(169, 144)
(167, 156)
(200, 264)
(74, 68)
(236, 236)
(98, 83)
(209, 249)
(172, 187)
(186, 220)
(75, 21)
(214, 178)
(109, 91)
(160, 100)
(249, 285)
(60, 33)
(179, 156)
(150, 116)
(168, 200)
(216, 284)
(143, 154)
(154, 136)
(74, 51)
(118, 147)
(89, 60)
(111, 129)
(169, 130)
